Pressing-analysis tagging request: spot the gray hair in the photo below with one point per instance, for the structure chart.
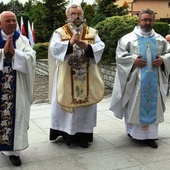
(74, 6)
(4, 12)
(147, 11)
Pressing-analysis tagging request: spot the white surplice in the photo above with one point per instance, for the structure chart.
(126, 91)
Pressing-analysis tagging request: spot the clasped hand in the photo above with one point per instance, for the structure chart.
(75, 39)
(141, 63)
(9, 48)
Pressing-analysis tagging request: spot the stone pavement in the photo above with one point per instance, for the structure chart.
(111, 149)
(40, 89)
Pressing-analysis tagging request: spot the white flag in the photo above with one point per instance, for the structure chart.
(18, 28)
(30, 37)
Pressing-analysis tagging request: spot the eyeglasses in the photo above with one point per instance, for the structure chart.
(147, 20)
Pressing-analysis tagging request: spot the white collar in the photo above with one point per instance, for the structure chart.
(4, 36)
(145, 34)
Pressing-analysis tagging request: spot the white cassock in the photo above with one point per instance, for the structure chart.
(24, 62)
(127, 85)
(82, 119)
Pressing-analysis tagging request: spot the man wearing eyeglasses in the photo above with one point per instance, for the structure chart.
(139, 93)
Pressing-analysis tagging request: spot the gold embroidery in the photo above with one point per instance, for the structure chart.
(6, 106)
(145, 127)
(75, 90)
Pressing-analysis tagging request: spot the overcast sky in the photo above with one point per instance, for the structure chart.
(71, 1)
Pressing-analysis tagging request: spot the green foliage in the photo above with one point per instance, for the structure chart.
(109, 9)
(111, 30)
(82, 4)
(161, 28)
(47, 16)
(17, 8)
(39, 15)
(55, 16)
(98, 18)
(89, 13)
(41, 50)
(3, 7)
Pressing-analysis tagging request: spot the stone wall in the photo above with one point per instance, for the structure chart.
(107, 71)
(42, 67)
(108, 74)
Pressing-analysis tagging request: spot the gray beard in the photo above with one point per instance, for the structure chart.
(145, 34)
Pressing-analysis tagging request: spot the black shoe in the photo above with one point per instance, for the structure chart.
(68, 143)
(83, 144)
(129, 135)
(152, 143)
(16, 161)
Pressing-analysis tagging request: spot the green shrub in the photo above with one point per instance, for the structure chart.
(41, 50)
(161, 28)
(110, 31)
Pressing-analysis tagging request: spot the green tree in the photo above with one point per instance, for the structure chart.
(98, 18)
(108, 8)
(89, 13)
(36, 12)
(47, 16)
(3, 7)
(55, 16)
(15, 6)
(82, 4)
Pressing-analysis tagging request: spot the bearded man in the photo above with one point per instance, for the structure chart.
(139, 92)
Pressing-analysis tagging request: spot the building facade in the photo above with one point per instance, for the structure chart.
(160, 7)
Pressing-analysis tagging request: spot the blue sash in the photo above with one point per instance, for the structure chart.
(7, 100)
(149, 80)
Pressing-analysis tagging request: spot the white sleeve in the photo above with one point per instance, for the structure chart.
(24, 56)
(98, 48)
(1, 59)
(57, 47)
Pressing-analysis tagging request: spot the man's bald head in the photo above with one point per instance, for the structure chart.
(6, 13)
(8, 22)
(168, 38)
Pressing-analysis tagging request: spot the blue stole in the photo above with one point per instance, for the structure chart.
(7, 100)
(149, 80)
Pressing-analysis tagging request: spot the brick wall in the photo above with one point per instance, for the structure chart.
(107, 71)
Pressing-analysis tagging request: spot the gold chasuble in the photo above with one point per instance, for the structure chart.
(79, 82)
